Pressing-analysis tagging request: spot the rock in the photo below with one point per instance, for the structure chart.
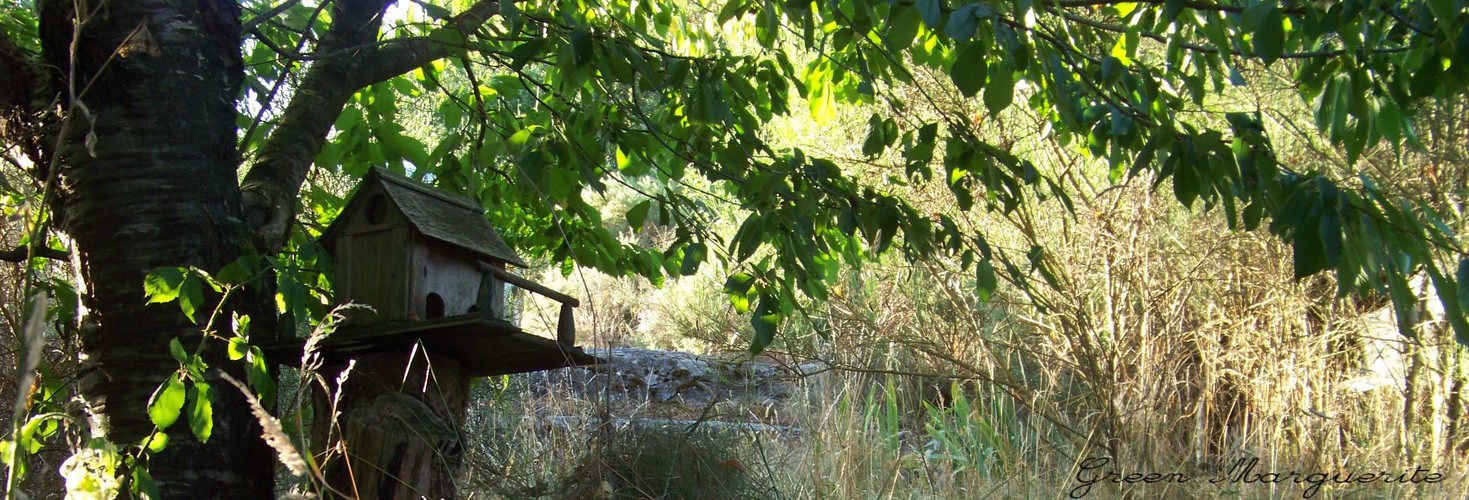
(636, 375)
(1384, 364)
(571, 423)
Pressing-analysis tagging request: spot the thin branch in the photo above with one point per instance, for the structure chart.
(270, 13)
(1116, 28)
(294, 55)
(18, 254)
(280, 81)
(1190, 4)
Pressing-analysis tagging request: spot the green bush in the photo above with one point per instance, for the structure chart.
(643, 462)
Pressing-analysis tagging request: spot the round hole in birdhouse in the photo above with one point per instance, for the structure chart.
(377, 209)
(433, 306)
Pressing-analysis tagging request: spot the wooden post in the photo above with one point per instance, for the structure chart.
(491, 300)
(492, 286)
(566, 326)
(400, 423)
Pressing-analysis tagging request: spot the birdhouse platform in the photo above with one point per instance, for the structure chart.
(483, 346)
(433, 271)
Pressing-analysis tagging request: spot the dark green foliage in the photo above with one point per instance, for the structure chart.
(670, 463)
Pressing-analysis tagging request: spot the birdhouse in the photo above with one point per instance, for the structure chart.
(433, 269)
(413, 252)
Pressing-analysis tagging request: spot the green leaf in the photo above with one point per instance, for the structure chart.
(157, 442)
(1185, 182)
(737, 286)
(765, 321)
(143, 485)
(523, 53)
(581, 47)
(986, 279)
(637, 215)
(201, 414)
(693, 255)
(1269, 40)
(191, 296)
(931, 11)
(1403, 300)
(1112, 69)
(27, 438)
(1254, 16)
(177, 350)
(887, 220)
(969, 69)
(259, 374)
(1000, 90)
(1331, 237)
(1309, 256)
(167, 401)
(876, 136)
(1444, 12)
(162, 284)
(902, 29)
(435, 11)
(1171, 10)
(238, 348)
(520, 138)
(749, 237)
(1462, 276)
(1448, 296)
(1253, 213)
(730, 10)
(738, 283)
(241, 325)
(236, 272)
(963, 23)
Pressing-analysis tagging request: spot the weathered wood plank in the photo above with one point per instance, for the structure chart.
(528, 284)
(484, 346)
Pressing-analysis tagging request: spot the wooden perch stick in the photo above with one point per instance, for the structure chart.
(527, 284)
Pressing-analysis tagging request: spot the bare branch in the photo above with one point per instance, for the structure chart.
(18, 254)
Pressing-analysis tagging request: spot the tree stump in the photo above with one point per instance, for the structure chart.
(399, 421)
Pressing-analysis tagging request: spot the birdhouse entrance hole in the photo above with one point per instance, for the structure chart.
(433, 306)
(377, 209)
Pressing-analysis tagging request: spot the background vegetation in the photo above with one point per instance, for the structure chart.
(1170, 343)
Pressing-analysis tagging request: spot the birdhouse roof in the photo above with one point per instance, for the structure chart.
(434, 213)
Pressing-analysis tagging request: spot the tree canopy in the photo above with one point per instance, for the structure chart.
(550, 102)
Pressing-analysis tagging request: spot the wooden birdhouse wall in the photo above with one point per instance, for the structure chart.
(372, 255)
(444, 281)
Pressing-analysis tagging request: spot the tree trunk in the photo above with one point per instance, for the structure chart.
(148, 178)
